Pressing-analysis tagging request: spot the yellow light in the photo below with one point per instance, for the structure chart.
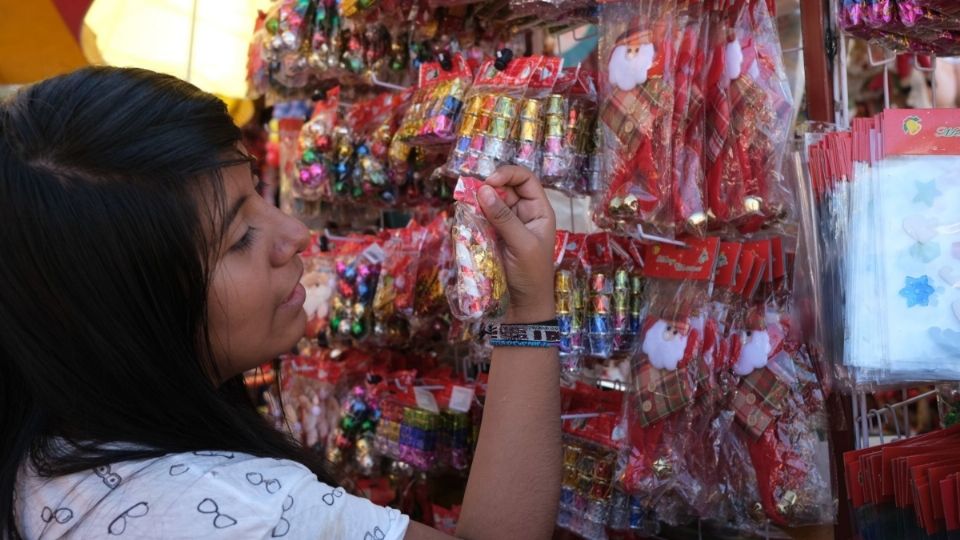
(157, 35)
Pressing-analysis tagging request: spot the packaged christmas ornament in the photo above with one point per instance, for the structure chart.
(778, 405)
(598, 260)
(570, 118)
(486, 135)
(308, 390)
(358, 267)
(281, 41)
(437, 103)
(529, 132)
(636, 107)
(761, 116)
(395, 292)
(315, 149)
(589, 502)
(364, 173)
(319, 279)
(666, 374)
(480, 283)
(687, 174)
(568, 280)
(325, 43)
(433, 272)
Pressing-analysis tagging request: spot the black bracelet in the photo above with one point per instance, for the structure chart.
(543, 334)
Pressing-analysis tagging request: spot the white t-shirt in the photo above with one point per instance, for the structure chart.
(198, 495)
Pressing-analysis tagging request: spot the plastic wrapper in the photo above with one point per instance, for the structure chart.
(433, 272)
(592, 426)
(528, 135)
(320, 280)
(395, 291)
(436, 105)
(480, 282)
(762, 116)
(486, 134)
(568, 293)
(904, 25)
(687, 174)
(666, 374)
(636, 104)
(325, 43)
(308, 392)
(281, 40)
(429, 427)
(351, 445)
(570, 117)
(358, 270)
(315, 150)
(361, 145)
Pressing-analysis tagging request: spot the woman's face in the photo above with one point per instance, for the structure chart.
(255, 301)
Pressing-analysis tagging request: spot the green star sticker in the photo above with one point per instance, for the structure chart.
(927, 192)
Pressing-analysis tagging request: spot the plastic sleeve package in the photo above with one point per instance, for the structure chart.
(666, 374)
(486, 136)
(636, 107)
(479, 291)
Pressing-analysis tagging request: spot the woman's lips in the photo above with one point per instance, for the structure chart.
(296, 297)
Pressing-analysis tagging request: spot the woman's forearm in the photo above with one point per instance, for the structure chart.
(514, 484)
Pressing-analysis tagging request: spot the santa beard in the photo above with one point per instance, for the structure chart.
(628, 66)
(664, 345)
(754, 352)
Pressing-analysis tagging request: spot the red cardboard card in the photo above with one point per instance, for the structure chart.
(948, 494)
(935, 476)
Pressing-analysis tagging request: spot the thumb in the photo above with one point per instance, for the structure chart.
(502, 218)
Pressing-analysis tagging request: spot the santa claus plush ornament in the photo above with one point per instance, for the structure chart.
(665, 343)
(754, 347)
(631, 60)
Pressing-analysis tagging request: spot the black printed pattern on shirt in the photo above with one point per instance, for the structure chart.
(119, 525)
(283, 526)
(220, 520)
(60, 515)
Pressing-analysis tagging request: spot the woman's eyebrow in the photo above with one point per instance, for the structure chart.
(233, 211)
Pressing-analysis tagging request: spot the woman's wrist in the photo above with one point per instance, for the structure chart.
(529, 313)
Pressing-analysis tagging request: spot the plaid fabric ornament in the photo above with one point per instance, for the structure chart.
(661, 392)
(758, 401)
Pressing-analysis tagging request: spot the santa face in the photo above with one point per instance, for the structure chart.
(664, 344)
(629, 65)
(754, 352)
(733, 60)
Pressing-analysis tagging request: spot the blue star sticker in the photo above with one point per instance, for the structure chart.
(927, 192)
(917, 291)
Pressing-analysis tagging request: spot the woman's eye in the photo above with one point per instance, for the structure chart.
(245, 241)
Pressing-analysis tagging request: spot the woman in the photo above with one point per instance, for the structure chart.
(142, 274)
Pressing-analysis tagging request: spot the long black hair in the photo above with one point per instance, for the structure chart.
(109, 188)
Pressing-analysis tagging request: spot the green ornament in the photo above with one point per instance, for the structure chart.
(302, 5)
(366, 426)
(357, 328)
(335, 322)
(273, 25)
(309, 156)
(347, 423)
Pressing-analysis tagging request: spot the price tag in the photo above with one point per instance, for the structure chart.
(461, 398)
(425, 400)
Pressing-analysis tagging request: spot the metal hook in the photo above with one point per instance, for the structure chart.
(376, 81)
(896, 421)
(589, 35)
(658, 239)
(875, 63)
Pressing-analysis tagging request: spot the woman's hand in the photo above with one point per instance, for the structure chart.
(527, 225)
